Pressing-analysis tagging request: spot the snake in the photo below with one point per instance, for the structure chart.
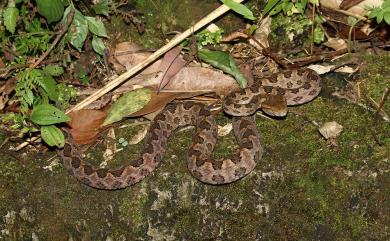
(271, 94)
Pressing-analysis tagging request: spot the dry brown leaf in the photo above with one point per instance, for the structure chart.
(321, 69)
(129, 54)
(347, 70)
(170, 65)
(200, 79)
(330, 130)
(262, 32)
(246, 70)
(336, 43)
(157, 103)
(346, 4)
(139, 136)
(5, 90)
(85, 125)
(359, 9)
(225, 130)
(188, 79)
(111, 148)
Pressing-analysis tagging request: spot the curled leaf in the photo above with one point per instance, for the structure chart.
(225, 62)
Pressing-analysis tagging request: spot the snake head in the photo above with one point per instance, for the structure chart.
(275, 105)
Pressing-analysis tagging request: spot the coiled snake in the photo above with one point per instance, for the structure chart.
(272, 95)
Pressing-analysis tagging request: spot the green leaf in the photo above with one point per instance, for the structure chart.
(373, 12)
(52, 10)
(387, 17)
(98, 45)
(10, 16)
(223, 61)
(277, 9)
(29, 97)
(47, 115)
(386, 4)
(52, 135)
(319, 35)
(101, 7)
(53, 70)
(129, 103)
(379, 17)
(96, 27)
(301, 6)
(287, 7)
(239, 8)
(270, 5)
(78, 31)
(49, 85)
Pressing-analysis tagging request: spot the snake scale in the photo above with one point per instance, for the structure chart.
(271, 94)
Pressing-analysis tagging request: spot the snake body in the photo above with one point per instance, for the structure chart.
(272, 95)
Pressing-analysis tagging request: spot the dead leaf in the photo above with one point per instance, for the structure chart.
(246, 70)
(170, 65)
(213, 28)
(188, 79)
(346, 70)
(196, 79)
(346, 4)
(85, 125)
(128, 54)
(261, 33)
(157, 102)
(111, 149)
(359, 9)
(5, 90)
(330, 130)
(336, 43)
(321, 69)
(139, 136)
(225, 130)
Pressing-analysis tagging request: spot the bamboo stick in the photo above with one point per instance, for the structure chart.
(178, 39)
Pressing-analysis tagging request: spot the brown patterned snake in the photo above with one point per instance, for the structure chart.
(272, 95)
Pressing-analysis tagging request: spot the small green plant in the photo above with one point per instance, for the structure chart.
(292, 8)
(38, 38)
(352, 22)
(42, 100)
(36, 89)
(239, 8)
(381, 13)
(206, 37)
(288, 7)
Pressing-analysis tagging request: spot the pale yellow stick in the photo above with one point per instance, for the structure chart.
(114, 83)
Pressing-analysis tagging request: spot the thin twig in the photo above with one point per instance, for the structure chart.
(63, 30)
(303, 61)
(24, 144)
(3, 143)
(4, 72)
(266, 52)
(384, 98)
